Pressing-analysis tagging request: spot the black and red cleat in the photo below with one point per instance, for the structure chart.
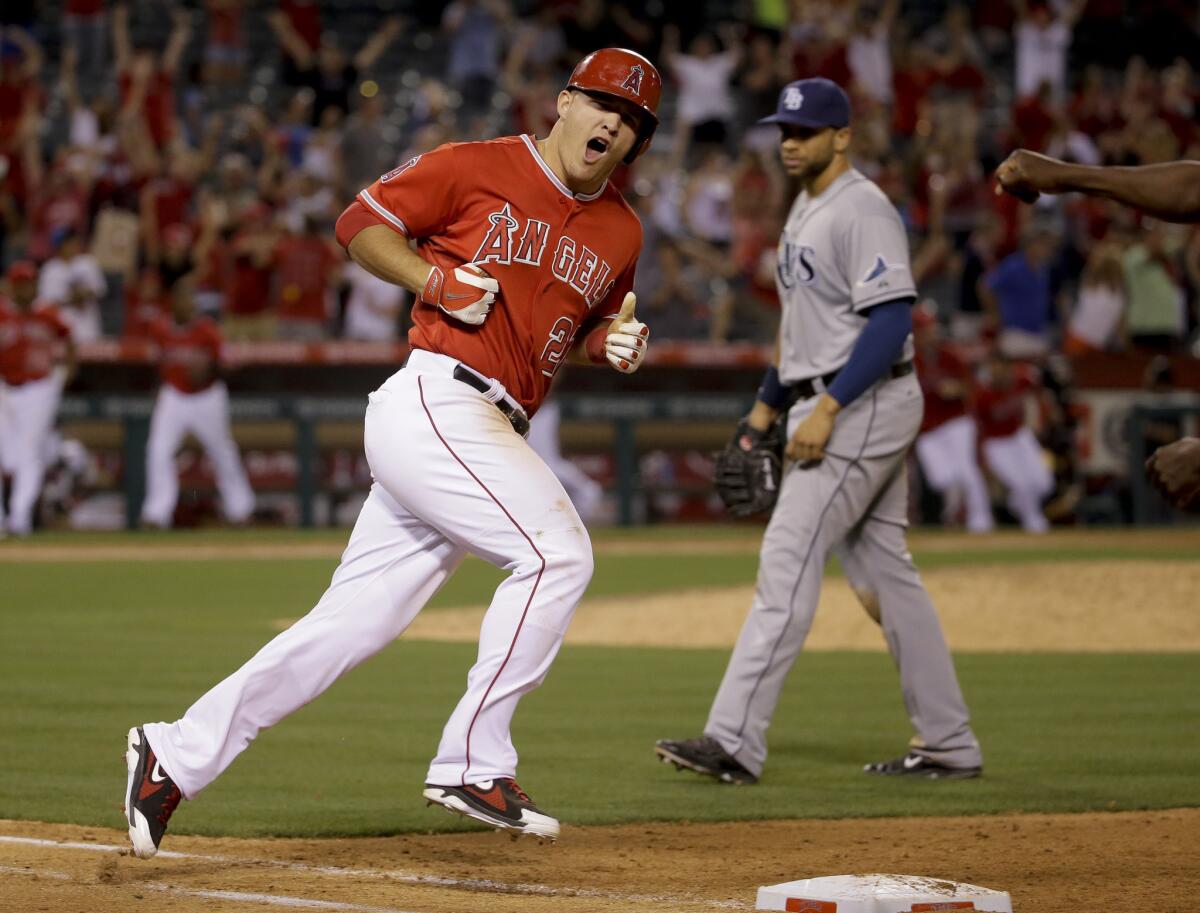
(150, 796)
(500, 803)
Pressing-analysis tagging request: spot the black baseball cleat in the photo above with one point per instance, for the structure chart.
(705, 756)
(916, 765)
(500, 803)
(150, 796)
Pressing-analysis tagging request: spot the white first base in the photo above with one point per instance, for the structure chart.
(879, 894)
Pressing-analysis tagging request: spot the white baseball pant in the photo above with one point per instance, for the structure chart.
(1016, 460)
(947, 457)
(27, 413)
(451, 477)
(206, 416)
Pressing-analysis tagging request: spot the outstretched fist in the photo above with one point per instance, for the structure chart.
(1026, 174)
(466, 293)
(627, 339)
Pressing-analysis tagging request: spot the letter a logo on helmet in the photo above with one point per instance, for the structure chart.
(633, 82)
(626, 75)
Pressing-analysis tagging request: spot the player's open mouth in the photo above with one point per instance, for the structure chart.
(595, 149)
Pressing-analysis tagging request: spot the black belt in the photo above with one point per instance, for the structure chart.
(806, 389)
(515, 415)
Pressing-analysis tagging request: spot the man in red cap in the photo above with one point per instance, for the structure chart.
(524, 257)
(36, 356)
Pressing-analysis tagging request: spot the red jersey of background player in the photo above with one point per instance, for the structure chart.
(189, 354)
(1000, 406)
(30, 342)
(564, 262)
(936, 370)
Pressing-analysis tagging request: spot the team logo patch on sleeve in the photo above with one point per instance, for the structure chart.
(880, 267)
(399, 170)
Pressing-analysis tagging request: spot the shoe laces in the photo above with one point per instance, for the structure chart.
(521, 794)
(170, 803)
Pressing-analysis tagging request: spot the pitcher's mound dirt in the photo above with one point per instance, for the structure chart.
(1069, 605)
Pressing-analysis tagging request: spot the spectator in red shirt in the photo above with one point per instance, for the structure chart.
(20, 94)
(166, 199)
(85, 32)
(36, 358)
(249, 314)
(946, 445)
(1010, 450)
(59, 204)
(225, 51)
(306, 265)
(146, 302)
(147, 81)
(192, 399)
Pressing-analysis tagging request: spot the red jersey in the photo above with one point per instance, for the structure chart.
(29, 342)
(158, 106)
(189, 354)
(304, 272)
(933, 373)
(248, 286)
(564, 261)
(1001, 411)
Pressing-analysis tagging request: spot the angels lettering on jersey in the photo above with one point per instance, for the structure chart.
(511, 240)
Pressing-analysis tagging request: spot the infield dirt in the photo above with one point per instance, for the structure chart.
(1128, 862)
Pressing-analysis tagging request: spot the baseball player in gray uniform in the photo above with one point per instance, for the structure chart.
(844, 356)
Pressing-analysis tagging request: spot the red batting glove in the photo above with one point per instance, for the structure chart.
(465, 294)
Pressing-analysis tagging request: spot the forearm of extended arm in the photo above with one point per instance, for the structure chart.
(1168, 191)
(385, 253)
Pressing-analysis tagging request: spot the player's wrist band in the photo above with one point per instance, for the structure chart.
(772, 391)
(593, 345)
(432, 293)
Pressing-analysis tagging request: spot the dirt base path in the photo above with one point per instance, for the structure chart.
(1136, 862)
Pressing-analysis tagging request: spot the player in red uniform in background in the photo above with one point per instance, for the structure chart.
(36, 357)
(524, 256)
(1010, 450)
(193, 399)
(946, 445)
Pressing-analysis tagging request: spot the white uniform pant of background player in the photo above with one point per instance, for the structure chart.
(947, 456)
(206, 416)
(1017, 462)
(451, 477)
(853, 503)
(585, 491)
(27, 414)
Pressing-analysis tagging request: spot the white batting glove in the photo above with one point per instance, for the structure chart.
(627, 340)
(466, 294)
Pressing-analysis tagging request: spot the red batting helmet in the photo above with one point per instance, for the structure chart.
(22, 271)
(626, 75)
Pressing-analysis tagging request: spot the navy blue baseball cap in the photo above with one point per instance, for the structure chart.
(816, 102)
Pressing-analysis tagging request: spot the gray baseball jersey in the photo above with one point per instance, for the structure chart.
(839, 254)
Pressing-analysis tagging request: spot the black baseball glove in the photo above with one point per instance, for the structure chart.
(747, 472)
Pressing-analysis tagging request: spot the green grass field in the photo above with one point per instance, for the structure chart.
(90, 647)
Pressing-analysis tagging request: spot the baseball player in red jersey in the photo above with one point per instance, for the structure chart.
(946, 444)
(36, 356)
(524, 256)
(193, 399)
(1011, 451)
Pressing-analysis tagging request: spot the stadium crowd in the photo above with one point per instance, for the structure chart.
(142, 142)
(204, 149)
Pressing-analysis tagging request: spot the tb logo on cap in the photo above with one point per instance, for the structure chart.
(793, 98)
(633, 82)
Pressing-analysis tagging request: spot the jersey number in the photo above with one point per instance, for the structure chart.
(557, 345)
